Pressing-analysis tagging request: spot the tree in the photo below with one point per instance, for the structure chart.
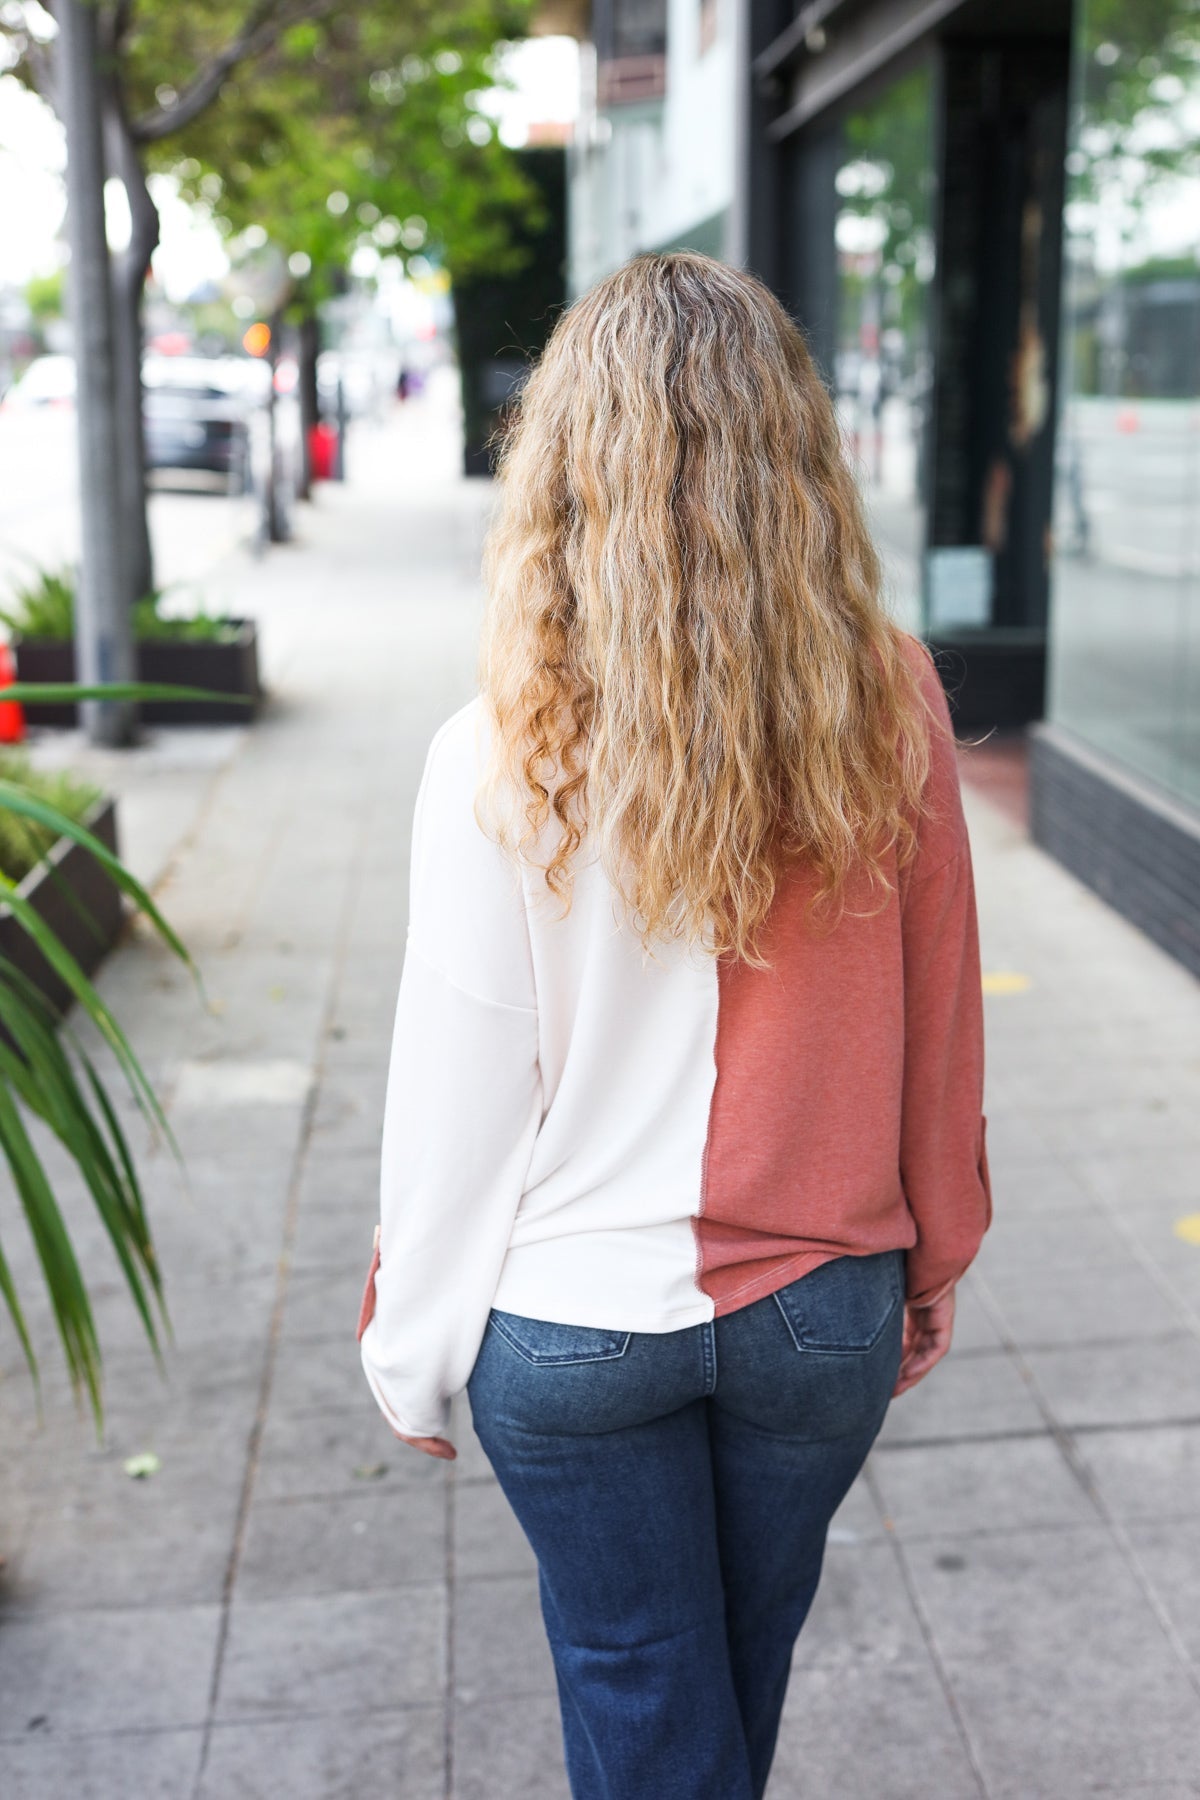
(335, 148)
(164, 72)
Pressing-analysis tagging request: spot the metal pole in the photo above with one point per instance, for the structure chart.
(103, 634)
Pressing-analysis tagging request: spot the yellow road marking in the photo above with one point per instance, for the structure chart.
(1006, 981)
(1188, 1228)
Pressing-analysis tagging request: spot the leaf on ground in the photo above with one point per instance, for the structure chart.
(140, 1468)
(370, 1471)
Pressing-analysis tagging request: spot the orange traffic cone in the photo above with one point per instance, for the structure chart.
(12, 714)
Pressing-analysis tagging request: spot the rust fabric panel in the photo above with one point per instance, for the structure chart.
(846, 1117)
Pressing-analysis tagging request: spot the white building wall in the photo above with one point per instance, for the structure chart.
(646, 174)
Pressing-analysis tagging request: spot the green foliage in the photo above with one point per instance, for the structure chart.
(379, 104)
(887, 176)
(44, 608)
(47, 1074)
(23, 841)
(1138, 81)
(44, 296)
(195, 628)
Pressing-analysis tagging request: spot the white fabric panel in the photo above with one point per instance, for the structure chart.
(547, 1107)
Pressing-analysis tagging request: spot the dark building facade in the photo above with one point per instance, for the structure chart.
(987, 219)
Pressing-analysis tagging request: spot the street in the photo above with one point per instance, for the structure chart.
(294, 1605)
(192, 525)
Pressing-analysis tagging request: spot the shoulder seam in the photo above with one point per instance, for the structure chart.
(413, 949)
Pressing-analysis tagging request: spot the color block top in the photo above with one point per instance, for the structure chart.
(577, 1132)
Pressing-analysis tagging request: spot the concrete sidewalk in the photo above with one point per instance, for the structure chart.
(295, 1607)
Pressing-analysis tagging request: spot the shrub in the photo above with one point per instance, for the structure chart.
(24, 842)
(44, 608)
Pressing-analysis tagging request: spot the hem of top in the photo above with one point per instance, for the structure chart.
(680, 1318)
(391, 1417)
(763, 1286)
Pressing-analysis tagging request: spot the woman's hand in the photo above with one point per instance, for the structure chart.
(927, 1334)
(430, 1446)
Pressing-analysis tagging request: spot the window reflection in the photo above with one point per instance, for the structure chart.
(1125, 666)
(883, 371)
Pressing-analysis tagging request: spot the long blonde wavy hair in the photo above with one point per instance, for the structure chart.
(685, 657)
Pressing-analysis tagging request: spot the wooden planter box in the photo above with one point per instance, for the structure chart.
(230, 668)
(77, 898)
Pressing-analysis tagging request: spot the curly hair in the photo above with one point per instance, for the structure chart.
(686, 659)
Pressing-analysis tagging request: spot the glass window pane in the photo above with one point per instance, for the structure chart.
(885, 264)
(1126, 604)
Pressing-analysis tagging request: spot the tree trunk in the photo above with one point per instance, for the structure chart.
(279, 524)
(103, 639)
(129, 271)
(309, 350)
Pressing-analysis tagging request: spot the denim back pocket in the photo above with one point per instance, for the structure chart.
(842, 1308)
(539, 1341)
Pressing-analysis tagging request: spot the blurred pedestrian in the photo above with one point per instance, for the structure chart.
(683, 1149)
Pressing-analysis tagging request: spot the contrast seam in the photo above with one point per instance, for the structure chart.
(412, 949)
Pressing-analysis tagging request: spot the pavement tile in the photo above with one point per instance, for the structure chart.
(142, 1667)
(352, 1544)
(1050, 1185)
(1065, 1240)
(965, 1396)
(335, 1453)
(1168, 1122)
(105, 1537)
(862, 1615)
(932, 1490)
(974, 1328)
(502, 1749)
(500, 1646)
(336, 1756)
(1043, 1733)
(334, 1652)
(1066, 1306)
(1151, 1473)
(867, 1732)
(1153, 1382)
(330, 1235)
(323, 1303)
(1169, 1552)
(487, 1538)
(342, 1183)
(1011, 1616)
(858, 1519)
(1130, 1177)
(153, 1765)
(312, 1379)
(1152, 1228)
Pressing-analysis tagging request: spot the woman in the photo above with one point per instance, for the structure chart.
(683, 1152)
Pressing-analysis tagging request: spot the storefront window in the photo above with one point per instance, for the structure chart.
(883, 366)
(1125, 631)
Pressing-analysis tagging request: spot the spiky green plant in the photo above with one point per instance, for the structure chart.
(46, 1073)
(43, 608)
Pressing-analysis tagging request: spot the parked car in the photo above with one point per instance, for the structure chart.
(48, 381)
(196, 414)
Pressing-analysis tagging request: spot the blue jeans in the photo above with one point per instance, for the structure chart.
(677, 1488)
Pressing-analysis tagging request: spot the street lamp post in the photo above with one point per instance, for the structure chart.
(103, 628)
